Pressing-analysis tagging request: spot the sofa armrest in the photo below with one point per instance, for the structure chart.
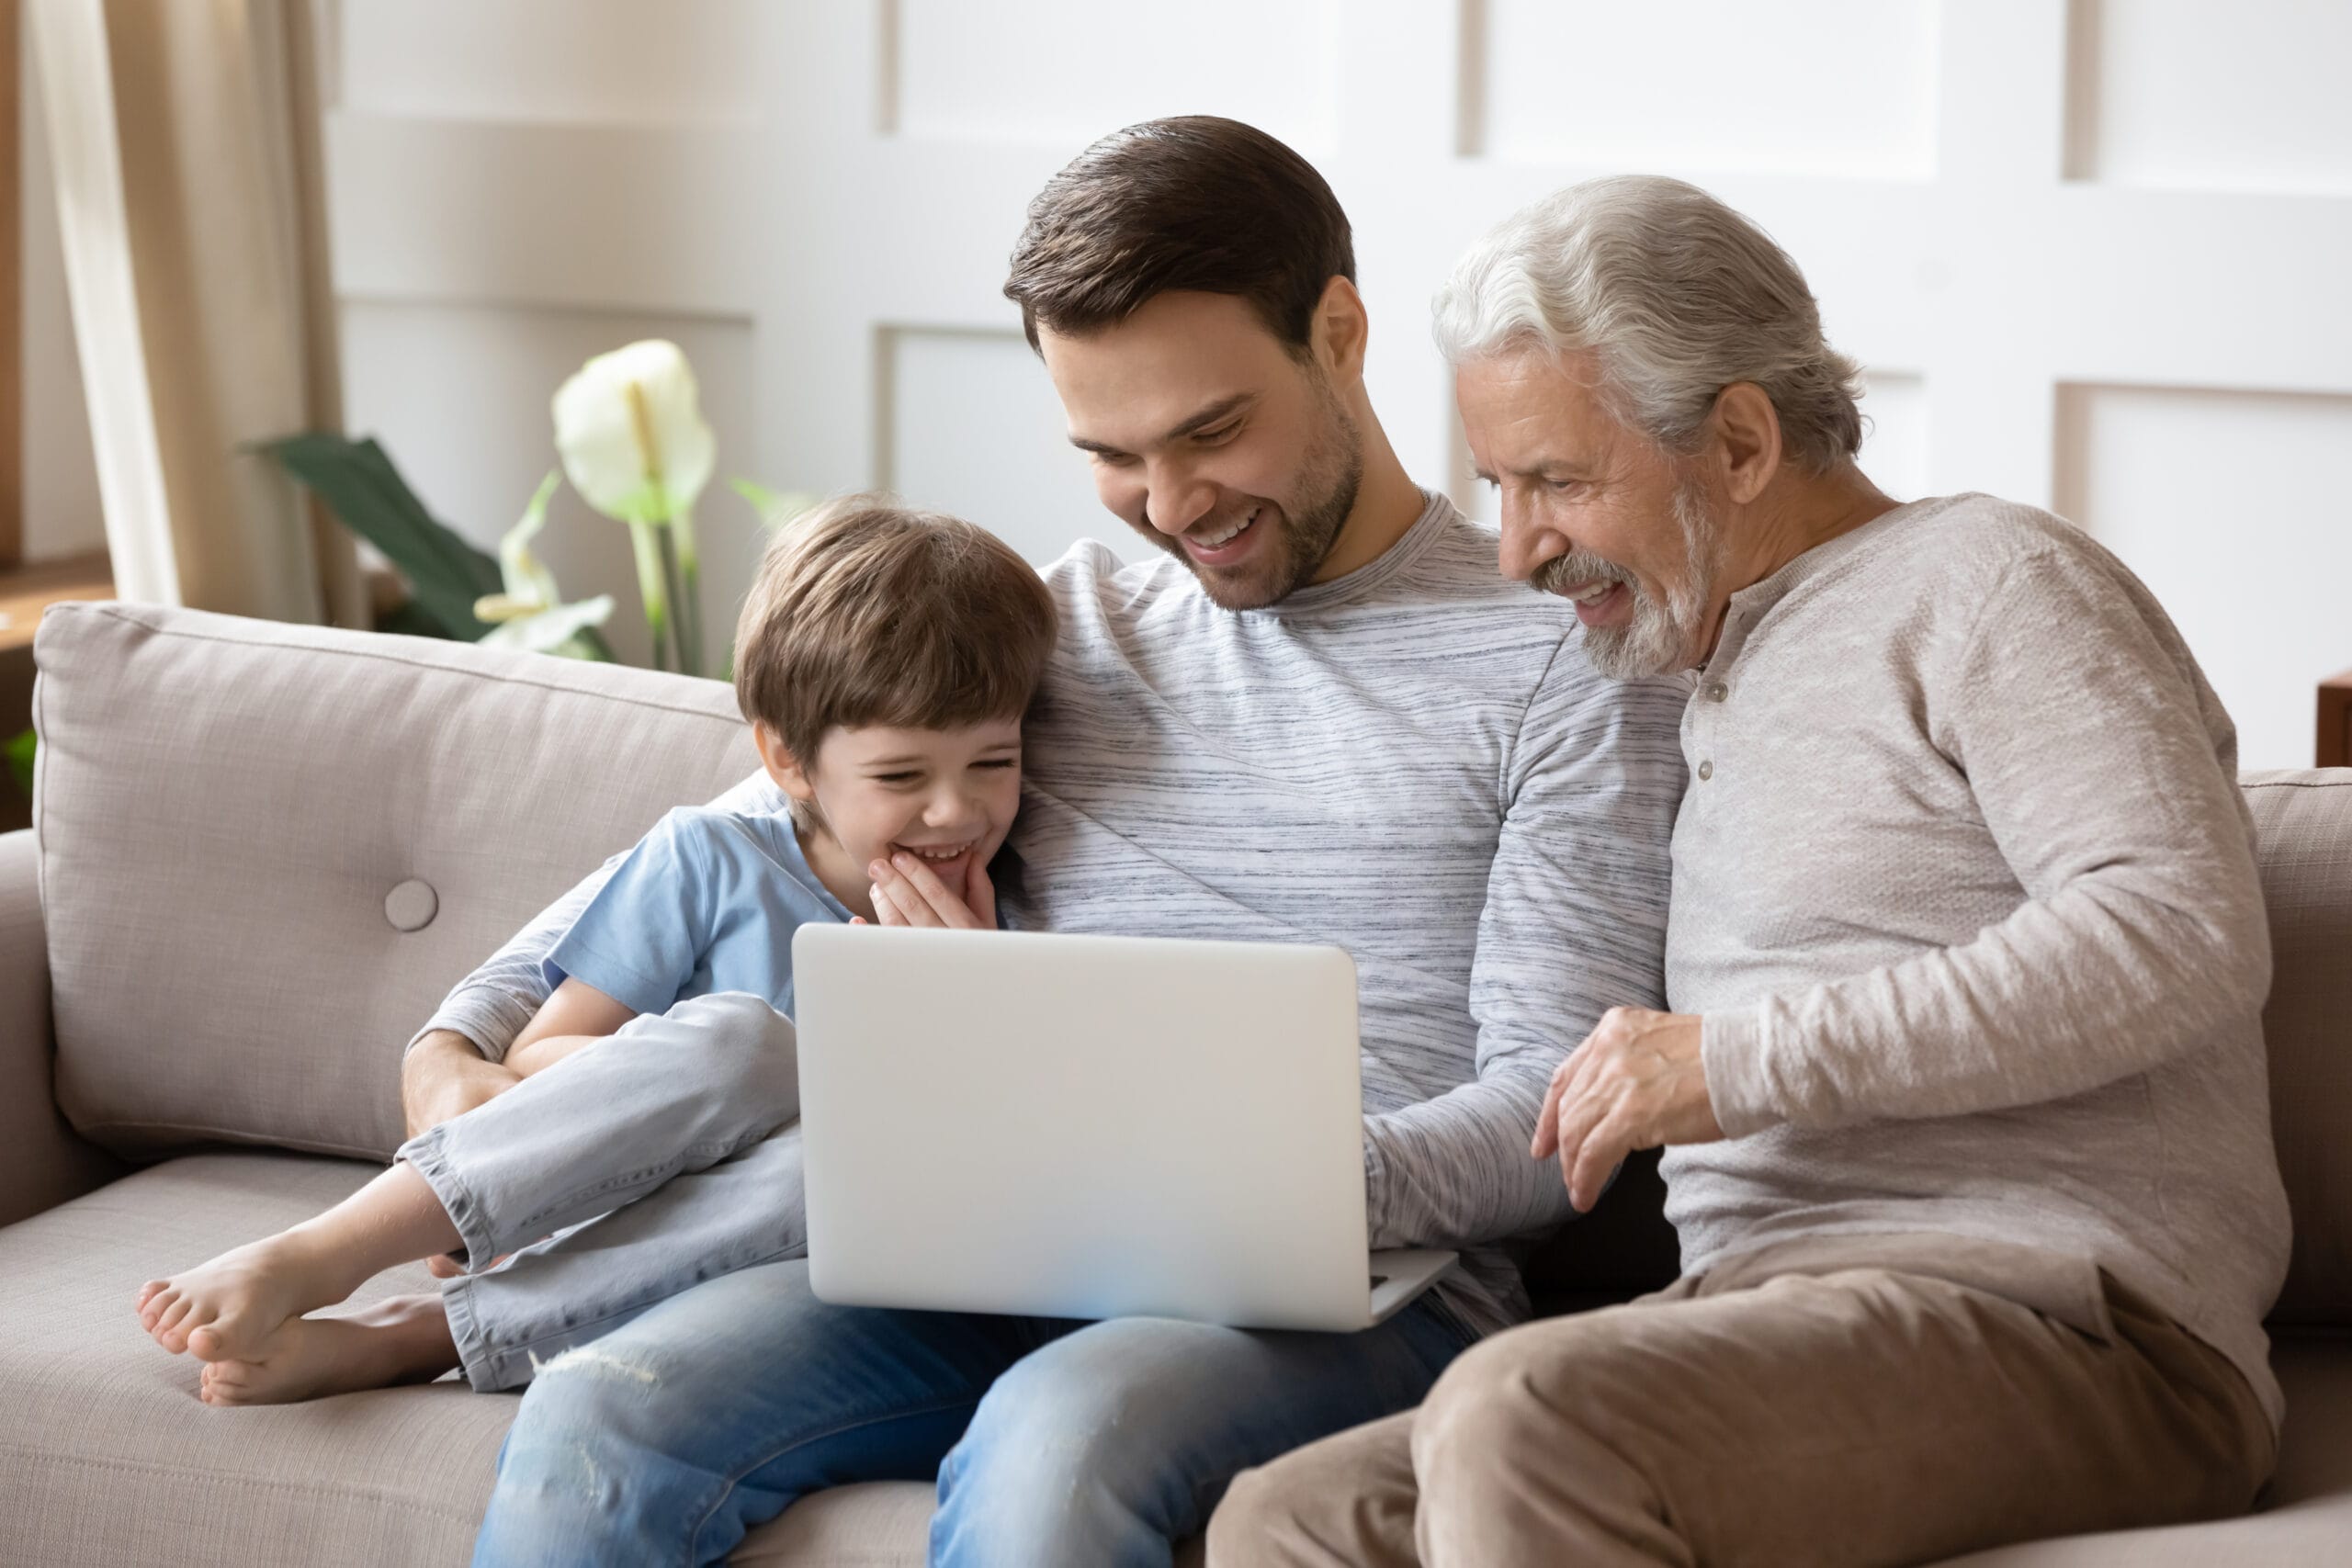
(42, 1162)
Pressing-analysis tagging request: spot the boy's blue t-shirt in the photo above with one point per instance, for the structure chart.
(707, 901)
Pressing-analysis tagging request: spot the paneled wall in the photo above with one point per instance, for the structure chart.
(2094, 252)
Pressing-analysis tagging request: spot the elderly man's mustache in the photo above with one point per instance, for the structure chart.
(1576, 568)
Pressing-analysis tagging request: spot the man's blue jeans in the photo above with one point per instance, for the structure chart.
(1053, 1442)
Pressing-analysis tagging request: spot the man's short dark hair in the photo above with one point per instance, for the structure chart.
(1194, 203)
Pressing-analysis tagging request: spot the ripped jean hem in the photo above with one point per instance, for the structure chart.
(496, 1368)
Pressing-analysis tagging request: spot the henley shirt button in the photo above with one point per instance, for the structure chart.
(1707, 770)
(411, 906)
(1717, 691)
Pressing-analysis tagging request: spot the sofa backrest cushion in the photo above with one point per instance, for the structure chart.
(268, 850)
(2303, 825)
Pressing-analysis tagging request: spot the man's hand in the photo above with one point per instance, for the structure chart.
(445, 1076)
(909, 893)
(1636, 1083)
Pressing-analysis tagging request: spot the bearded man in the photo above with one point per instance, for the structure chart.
(1314, 713)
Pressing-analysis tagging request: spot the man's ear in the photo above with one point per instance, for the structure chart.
(1342, 331)
(781, 764)
(1748, 440)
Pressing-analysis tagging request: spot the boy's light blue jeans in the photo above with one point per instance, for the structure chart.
(1091, 1445)
(635, 1168)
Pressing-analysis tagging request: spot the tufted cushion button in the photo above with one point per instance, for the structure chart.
(411, 906)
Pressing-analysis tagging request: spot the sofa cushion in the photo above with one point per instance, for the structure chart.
(226, 807)
(107, 1456)
(2304, 824)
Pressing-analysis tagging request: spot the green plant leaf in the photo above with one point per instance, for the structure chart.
(407, 620)
(20, 760)
(776, 507)
(366, 492)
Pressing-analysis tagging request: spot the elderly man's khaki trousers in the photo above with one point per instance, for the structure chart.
(1843, 1415)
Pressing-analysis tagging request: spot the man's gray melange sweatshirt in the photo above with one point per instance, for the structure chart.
(1413, 761)
(1965, 890)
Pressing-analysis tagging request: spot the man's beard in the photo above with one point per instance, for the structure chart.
(1328, 483)
(1658, 637)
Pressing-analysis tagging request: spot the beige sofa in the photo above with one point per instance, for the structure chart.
(262, 852)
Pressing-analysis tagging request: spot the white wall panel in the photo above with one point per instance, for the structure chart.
(787, 184)
(459, 395)
(550, 60)
(2229, 506)
(2256, 94)
(1894, 433)
(1068, 71)
(1828, 87)
(970, 425)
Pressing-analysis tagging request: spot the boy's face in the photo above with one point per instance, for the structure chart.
(948, 795)
(1213, 441)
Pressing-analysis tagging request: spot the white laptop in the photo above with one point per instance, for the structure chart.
(1087, 1126)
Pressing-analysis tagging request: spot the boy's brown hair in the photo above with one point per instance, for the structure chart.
(1197, 203)
(868, 612)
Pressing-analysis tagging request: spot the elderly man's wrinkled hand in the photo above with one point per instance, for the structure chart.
(1637, 1082)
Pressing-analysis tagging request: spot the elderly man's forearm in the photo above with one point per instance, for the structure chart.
(2062, 997)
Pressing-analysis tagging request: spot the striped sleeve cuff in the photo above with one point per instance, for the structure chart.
(489, 1018)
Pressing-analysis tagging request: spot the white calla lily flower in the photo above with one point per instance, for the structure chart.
(531, 613)
(629, 425)
(556, 630)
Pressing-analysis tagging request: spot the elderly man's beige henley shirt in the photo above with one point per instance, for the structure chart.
(1965, 890)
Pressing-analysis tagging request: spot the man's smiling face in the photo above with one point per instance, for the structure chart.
(1593, 512)
(1211, 439)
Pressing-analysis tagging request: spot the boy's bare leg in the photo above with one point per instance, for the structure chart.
(229, 1309)
(405, 1339)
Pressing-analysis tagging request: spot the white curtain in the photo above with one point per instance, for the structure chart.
(185, 135)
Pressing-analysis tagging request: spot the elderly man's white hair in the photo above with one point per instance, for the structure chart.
(1675, 295)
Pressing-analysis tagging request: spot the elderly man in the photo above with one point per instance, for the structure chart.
(1964, 1095)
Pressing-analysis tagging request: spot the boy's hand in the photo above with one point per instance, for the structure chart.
(909, 893)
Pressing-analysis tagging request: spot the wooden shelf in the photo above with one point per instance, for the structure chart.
(27, 591)
(2336, 722)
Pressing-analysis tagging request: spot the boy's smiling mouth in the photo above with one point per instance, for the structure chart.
(938, 851)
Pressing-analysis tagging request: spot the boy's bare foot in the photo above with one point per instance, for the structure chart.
(225, 1309)
(402, 1340)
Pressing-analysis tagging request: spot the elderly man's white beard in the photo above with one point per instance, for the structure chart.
(1657, 639)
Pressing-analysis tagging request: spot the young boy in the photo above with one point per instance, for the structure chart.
(883, 659)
